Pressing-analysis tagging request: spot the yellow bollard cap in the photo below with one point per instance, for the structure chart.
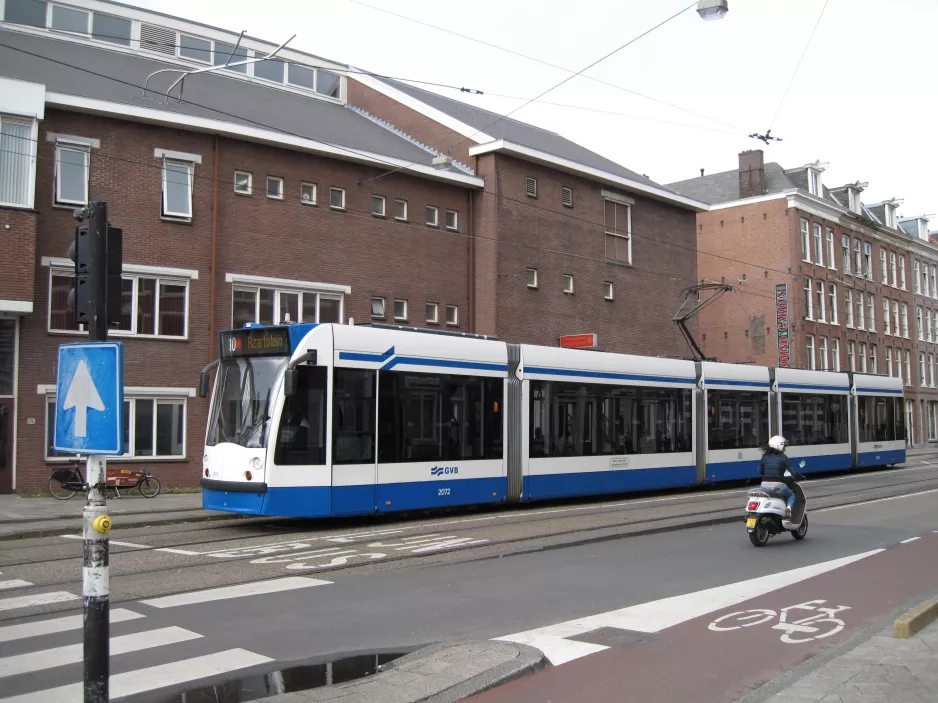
(102, 524)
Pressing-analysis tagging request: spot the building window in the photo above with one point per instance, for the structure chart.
(897, 353)
(531, 278)
(400, 210)
(935, 318)
(308, 193)
(916, 272)
(905, 320)
(275, 306)
(337, 198)
(857, 259)
(452, 315)
(271, 70)
(71, 174)
(893, 270)
(934, 287)
(195, 49)
(618, 228)
(805, 241)
(920, 322)
(862, 357)
(932, 420)
(115, 30)
(814, 182)
(433, 313)
(895, 319)
(243, 182)
(871, 312)
(177, 189)
(886, 324)
(868, 260)
(452, 220)
(835, 355)
(831, 258)
(150, 306)
(822, 353)
(861, 312)
(882, 266)
(928, 326)
(154, 428)
(17, 161)
(226, 52)
(566, 195)
(924, 278)
(378, 204)
(433, 216)
(848, 307)
(908, 368)
(400, 310)
(29, 12)
(821, 302)
(845, 252)
(809, 352)
(568, 284)
(530, 187)
(608, 290)
(818, 246)
(808, 300)
(851, 356)
(377, 307)
(888, 361)
(902, 272)
(274, 188)
(931, 370)
(66, 19)
(874, 361)
(921, 370)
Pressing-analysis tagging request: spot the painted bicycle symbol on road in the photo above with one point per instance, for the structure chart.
(819, 625)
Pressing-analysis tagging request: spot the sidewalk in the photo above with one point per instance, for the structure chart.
(879, 670)
(37, 517)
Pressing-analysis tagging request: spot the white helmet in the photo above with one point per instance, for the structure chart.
(778, 443)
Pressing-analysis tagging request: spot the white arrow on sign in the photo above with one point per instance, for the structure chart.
(82, 395)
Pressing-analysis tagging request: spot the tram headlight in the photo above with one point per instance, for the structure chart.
(255, 463)
(248, 475)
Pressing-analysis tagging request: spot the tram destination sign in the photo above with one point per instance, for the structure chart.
(265, 341)
(782, 325)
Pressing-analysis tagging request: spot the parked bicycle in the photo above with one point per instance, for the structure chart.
(65, 482)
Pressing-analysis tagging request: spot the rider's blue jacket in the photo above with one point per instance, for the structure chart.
(773, 466)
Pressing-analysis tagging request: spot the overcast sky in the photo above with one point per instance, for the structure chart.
(865, 99)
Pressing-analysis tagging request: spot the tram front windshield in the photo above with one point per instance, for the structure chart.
(244, 388)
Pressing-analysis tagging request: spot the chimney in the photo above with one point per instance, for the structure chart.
(701, 173)
(751, 173)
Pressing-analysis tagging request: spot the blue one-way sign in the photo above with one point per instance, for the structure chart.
(89, 406)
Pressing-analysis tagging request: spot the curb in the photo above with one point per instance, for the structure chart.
(916, 619)
(54, 531)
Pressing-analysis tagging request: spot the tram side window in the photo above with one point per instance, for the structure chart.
(439, 417)
(302, 437)
(898, 409)
(737, 419)
(814, 419)
(581, 419)
(353, 416)
(878, 420)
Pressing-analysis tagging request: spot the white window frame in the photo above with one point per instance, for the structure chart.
(895, 318)
(921, 370)
(933, 288)
(905, 320)
(159, 396)
(77, 147)
(883, 267)
(165, 212)
(211, 58)
(832, 302)
(861, 355)
(279, 181)
(861, 311)
(401, 318)
(822, 353)
(818, 244)
(931, 370)
(809, 298)
(278, 314)
(858, 259)
(893, 270)
(821, 292)
(527, 274)
(384, 308)
(805, 241)
(609, 291)
(568, 284)
(874, 359)
(870, 312)
(831, 255)
(384, 205)
(835, 354)
(455, 225)
(58, 271)
(250, 188)
(809, 351)
(908, 368)
(848, 307)
(868, 260)
(315, 195)
(887, 319)
(627, 237)
(435, 319)
(920, 319)
(31, 155)
(897, 355)
(928, 326)
(917, 271)
(341, 191)
(851, 355)
(436, 216)
(455, 310)
(902, 272)
(397, 202)
(889, 370)
(50, 9)
(845, 253)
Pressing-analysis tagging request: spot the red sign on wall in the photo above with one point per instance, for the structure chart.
(782, 325)
(580, 341)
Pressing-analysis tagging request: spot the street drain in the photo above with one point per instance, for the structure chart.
(295, 678)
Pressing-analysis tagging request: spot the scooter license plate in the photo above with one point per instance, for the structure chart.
(751, 522)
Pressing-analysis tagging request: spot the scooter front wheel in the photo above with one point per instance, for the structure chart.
(802, 530)
(759, 535)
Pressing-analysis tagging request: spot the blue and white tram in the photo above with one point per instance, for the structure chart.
(329, 420)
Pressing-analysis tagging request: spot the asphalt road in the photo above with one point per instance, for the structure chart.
(393, 584)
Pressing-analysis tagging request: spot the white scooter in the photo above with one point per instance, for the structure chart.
(765, 513)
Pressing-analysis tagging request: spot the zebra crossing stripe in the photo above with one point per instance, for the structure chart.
(14, 583)
(37, 599)
(11, 633)
(72, 654)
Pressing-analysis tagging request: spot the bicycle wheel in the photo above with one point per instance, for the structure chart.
(149, 487)
(58, 483)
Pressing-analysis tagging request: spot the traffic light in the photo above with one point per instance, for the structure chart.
(79, 295)
(97, 252)
(115, 253)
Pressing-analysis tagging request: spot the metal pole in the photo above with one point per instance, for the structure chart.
(96, 523)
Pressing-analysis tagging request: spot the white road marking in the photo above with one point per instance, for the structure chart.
(112, 541)
(910, 539)
(14, 583)
(178, 551)
(38, 599)
(667, 612)
(50, 627)
(133, 683)
(73, 653)
(239, 591)
(878, 500)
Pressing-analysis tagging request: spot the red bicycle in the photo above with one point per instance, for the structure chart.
(67, 481)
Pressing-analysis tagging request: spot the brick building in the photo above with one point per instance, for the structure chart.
(285, 191)
(860, 282)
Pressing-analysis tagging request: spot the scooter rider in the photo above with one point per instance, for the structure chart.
(772, 468)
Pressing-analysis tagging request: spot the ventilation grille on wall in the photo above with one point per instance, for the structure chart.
(530, 186)
(158, 39)
(567, 196)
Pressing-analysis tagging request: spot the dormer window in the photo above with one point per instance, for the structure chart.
(853, 196)
(890, 215)
(814, 182)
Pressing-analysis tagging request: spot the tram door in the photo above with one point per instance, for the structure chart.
(354, 449)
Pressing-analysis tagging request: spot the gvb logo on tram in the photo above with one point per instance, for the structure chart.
(444, 470)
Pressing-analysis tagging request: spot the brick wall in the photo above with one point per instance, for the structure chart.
(18, 244)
